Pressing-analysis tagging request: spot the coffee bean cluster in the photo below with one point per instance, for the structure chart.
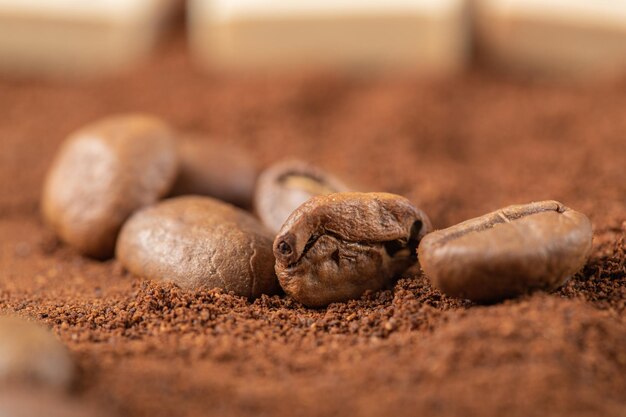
(171, 208)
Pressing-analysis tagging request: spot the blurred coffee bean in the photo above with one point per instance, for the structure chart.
(199, 242)
(103, 173)
(41, 403)
(335, 247)
(509, 252)
(216, 169)
(284, 186)
(31, 354)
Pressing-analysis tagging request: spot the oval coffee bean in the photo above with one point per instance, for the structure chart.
(199, 242)
(102, 174)
(31, 354)
(216, 169)
(335, 247)
(283, 187)
(508, 252)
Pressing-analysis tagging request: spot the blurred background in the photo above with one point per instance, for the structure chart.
(561, 39)
(438, 99)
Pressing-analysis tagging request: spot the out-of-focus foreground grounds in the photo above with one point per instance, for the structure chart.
(499, 103)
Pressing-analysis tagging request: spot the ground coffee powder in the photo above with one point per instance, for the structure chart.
(457, 149)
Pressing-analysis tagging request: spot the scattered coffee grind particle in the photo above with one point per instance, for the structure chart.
(284, 186)
(199, 242)
(508, 252)
(216, 169)
(103, 173)
(335, 247)
(31, 354)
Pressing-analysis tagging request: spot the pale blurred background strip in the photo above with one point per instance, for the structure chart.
(559, 39)
(77, 37)
(429, 36)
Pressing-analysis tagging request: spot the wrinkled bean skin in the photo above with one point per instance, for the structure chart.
(335, 247)
(509, 252)
(199, 242)
(102, 174)
(284, 186)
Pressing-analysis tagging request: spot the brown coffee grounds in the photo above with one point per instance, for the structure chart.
(603, 280)
(457, 148)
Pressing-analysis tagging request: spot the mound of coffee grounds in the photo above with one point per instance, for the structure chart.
(457, 149)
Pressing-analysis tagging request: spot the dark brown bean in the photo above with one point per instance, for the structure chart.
(215, 169)
(284, 186)
(335, 247)
(32, 355)
(199, 242)
(102, 174)
(509, 252)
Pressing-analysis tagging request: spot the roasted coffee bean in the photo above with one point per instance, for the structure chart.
(283, 187)
(508, 252)
(215, 169)
(25, 402)
(199, 242)
(102, 174)
(31, 354)
(335, 247)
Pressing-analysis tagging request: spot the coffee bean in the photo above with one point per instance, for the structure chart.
(335, 247)
(102, 174)
(22, 402)
(216, 169)
(31, 354)
(283, 187)
(508, 252)
(199, 242)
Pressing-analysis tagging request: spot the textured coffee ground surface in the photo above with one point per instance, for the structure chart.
(457, 149)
